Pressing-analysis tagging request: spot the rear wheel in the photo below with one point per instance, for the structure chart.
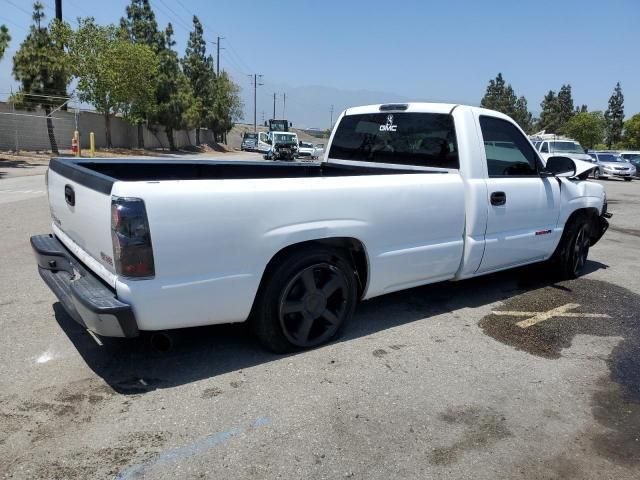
(570, 257)
(305, 300)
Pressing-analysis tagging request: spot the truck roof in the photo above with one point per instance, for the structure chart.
(419, 107)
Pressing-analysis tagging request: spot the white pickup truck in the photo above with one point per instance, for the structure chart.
(406, 195)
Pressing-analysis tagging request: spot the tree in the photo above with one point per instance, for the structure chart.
(140, 27)
(549, 117)
(631, 137)
(5, 38)
(564, 106)
(228, 106)
(113, 73)
(41, 70)
(500, 97)
(176, 108)
(614, 117)
(586, 128)
(198, 67)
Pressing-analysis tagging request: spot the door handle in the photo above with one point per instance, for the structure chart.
(70, 195)
(498, 198)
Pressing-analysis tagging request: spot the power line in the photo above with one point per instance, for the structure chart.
(233, 51)
(234, 63)
(20, 8)
(21, 27)
(177, 17)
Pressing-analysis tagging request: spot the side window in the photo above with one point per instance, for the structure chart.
(508, 152)
(545, 148)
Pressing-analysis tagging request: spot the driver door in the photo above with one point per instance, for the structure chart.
(523, 208)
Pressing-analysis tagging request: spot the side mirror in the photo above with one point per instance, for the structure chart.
(560, 167)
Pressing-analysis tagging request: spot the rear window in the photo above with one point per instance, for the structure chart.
(422, 139)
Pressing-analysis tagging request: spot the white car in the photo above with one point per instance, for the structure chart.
(612, 165)
(306, 149)
(563, 147)
(407, 195)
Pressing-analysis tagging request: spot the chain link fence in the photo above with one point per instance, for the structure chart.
(46, 123)
(36, 122)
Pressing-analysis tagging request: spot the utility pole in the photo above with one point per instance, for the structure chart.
(284, 103)
(218, 55)
(255, 79)
(331, 125)
(59, 9)
(274, 105)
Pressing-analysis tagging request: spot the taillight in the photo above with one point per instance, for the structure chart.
(132, 252)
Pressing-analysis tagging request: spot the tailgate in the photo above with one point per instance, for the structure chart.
(81, 214)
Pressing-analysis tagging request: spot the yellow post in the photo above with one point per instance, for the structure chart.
(76, 137)
(92, 144)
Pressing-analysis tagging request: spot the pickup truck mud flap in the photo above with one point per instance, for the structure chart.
(87, 300)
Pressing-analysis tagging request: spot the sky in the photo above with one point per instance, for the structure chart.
(345, 52)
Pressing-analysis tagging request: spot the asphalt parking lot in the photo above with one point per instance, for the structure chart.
(505, 376)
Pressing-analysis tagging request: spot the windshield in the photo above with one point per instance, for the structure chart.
(306, 145)
(250, 136)
(609, 157)
(566, 147)
(283, 138)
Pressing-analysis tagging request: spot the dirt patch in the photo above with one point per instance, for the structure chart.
(210, 392)
(39, 424)
(616, 400)
(482, 427)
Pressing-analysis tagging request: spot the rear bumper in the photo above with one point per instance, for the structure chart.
(84, 296)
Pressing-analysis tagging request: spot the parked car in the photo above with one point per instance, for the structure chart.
(309, 150)
(633, 157)
(565, 147)
(611, 165)
(408, 194)
(249, 142)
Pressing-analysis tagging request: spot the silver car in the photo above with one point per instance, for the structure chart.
(611, 164)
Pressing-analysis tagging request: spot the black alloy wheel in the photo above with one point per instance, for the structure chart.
(580, 249)
(313, 305)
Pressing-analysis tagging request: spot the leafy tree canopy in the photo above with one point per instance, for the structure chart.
(631, 137)
(501, 97)
(5, 38)
(586, 127)
(113, 73)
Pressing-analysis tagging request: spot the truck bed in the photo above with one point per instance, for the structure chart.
(108, 170)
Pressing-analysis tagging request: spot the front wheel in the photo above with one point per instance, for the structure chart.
(570, 257)
(596, 173)
(628, 179)
(305, 300)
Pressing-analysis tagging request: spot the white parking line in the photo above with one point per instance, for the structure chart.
(537, 317)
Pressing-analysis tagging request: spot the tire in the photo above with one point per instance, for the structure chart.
(628, 179)
(596, 173)
(305, 300)
(570, 256)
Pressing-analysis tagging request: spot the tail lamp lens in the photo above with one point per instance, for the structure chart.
(132, 251)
